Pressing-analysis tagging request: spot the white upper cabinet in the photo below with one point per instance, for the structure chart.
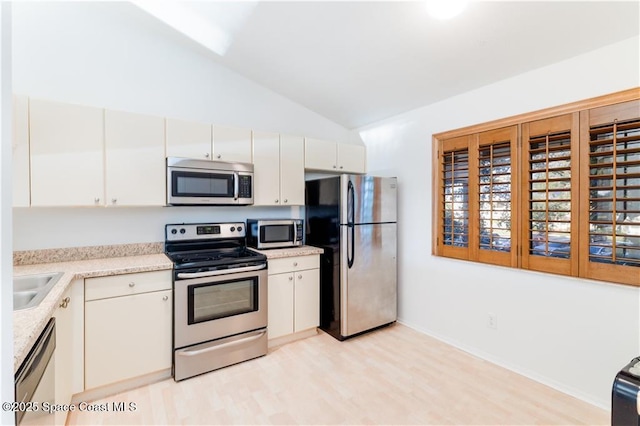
(330, 156)
(266, 169)
(320, 155)
(351, 158)
(231, 144)
(278, 164)
(67, 150)
(292, 170)
(189, 139)
(20, 151)
(134, 159)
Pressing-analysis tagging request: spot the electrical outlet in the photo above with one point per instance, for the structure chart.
(492, 321)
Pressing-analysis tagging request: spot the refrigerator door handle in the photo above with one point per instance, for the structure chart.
(350, 224)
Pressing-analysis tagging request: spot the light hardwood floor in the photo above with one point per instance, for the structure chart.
(391, 376)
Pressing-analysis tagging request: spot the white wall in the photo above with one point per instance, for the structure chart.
(6, 260)
(570, 333)
(111, 54)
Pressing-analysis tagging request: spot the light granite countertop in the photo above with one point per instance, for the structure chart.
(29, 323)
(290, 252)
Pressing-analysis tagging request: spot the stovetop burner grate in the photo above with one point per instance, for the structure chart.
(190, 247)
(212, 257)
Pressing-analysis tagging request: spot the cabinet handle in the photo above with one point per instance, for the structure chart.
(334, 166)
(206, 155)
(132, 284)
(219, 156)
(276, 201)
(97, 200)
(114, 200)
(290, 277)
(295, 263)
(65, 302)
(165, 298)
(299, 277)
(341, 167)
(286, 201)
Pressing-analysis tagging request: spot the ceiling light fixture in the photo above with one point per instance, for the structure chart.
(445, 9)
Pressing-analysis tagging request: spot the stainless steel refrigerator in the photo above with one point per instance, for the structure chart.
(353, 218)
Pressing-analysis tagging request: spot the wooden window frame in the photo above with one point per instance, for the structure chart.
(573, 118)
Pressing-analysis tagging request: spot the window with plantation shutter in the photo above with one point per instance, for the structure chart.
(555, 191)
(611, 153)
(549, 190)
(476, 216)
(454, 190)
(496, 170)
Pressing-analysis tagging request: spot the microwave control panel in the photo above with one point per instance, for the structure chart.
(244, 186)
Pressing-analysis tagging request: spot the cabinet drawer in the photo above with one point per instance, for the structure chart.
(127, 284)
(289, 264)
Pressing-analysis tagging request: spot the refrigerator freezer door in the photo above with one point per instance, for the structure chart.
(368, 291)
(374, 199)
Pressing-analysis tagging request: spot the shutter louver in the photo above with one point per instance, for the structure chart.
(550, 195)
(455, 190)
(494, 180)
(614, 193)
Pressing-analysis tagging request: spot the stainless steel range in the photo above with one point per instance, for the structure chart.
(220, 297)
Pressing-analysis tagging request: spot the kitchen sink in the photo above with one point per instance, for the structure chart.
(30, 290)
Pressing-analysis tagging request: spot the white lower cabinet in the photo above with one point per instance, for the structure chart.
(69, 369)
(128, 326)
(294, 295)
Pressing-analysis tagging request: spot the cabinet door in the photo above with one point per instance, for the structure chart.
(231, 144)
(20, 151)
(188, 139)
(351, 158)
(126, 337)
(280, 301)
(69, 369)
(134, 159)
(307, 299)
(67, 144)
(291, 170)
(319, 155)
(266, 168)
(64, 353)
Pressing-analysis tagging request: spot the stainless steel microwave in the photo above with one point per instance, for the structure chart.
(274, 233)
(204, 182)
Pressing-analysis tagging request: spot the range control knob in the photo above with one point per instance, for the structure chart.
(233, 228)
(239, 228)
(174, 231)
(182, 230)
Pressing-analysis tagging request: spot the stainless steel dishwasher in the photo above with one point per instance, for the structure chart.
(35, 380)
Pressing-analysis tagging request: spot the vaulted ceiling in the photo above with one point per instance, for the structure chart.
(359, 62)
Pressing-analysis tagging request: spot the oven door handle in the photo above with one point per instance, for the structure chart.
(220, 272)
(195, 352)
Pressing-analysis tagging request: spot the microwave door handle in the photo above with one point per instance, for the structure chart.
(236, 188)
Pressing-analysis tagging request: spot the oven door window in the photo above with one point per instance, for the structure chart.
(211, 301)
(276, 233)
(196, 184)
